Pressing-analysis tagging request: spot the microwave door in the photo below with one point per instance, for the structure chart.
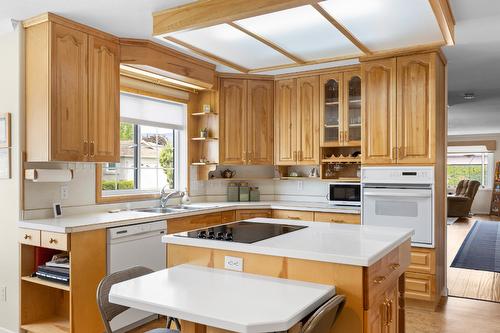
(409, 208)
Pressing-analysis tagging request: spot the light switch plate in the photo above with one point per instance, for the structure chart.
(64, 192)
(233, 263)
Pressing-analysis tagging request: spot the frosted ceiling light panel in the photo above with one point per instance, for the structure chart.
(387, 24)
(234, 45)
(302, 31)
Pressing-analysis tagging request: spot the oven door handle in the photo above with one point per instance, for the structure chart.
(424, 194)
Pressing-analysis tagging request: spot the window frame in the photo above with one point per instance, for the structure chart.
(486, 158)
(138, 195)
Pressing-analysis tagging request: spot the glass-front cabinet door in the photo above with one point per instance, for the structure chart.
(331, 110)
(352, 114)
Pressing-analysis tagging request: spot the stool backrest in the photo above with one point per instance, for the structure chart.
(109, 310)
(325, 316)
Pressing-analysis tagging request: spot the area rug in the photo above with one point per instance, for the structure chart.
(481, 248)
(451, 220)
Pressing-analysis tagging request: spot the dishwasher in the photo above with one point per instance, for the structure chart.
(135, 245)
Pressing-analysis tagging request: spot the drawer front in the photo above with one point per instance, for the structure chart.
(29, 237)
(229, 216)
(193, 222)
(293, 215)
(53, 240)
(246, 214)
(420, 286)
(337, 218)
(422, 261)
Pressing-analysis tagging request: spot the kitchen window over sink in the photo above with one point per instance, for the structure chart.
(152, 149)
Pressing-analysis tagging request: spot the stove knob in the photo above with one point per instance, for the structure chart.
(202, 234)
(229, 236)
(220, 236)
(211, 235)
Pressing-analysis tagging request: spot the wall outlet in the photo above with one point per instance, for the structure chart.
(3, 294)
(233, 263)
(64, 192)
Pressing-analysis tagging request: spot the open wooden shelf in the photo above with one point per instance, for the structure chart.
(50, 325)
(201, 114)
(343, 179)
(45, 283)
(242, 178)
(204, 139)
(331, 126)
(202, 163)
(341, 160)
(298, 178)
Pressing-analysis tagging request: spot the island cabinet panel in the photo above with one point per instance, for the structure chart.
(337, 218)
(245, 214)
(72, 93)
(293, 215)
(69, 87)
(285, 120)
(193, 222)
(104, 102)
(379, 111)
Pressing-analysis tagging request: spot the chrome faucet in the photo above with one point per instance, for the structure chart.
(165, 196)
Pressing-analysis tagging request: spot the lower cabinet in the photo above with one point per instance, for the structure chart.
(228, 216)
(193, 222)
(293, 215)
(337, 218)
(420, 277)
(245, 214)
(382, 317)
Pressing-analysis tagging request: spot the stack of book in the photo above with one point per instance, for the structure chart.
(56, 270)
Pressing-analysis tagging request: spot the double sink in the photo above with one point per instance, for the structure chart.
(170, 209)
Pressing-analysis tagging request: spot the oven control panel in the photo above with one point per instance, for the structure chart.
(398, 175)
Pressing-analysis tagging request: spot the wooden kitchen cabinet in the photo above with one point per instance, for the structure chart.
(246, 122)
(379, 111)
(297, 121)
(293, 215)
(400, 98)
(245, 214)
(76, 118)
(182, 224)
(337, 218)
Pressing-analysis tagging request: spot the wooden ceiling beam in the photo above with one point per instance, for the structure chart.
(207, 13)
(445, 19)
(307, 63)
(207, 55)
(268, 43)
(343, 30)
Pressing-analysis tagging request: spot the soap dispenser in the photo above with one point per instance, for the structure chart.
(186, 200)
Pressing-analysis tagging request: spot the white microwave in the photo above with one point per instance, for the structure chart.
(344, 194)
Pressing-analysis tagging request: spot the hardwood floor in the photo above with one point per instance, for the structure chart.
(469, 283)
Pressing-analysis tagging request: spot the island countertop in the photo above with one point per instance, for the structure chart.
(357, 245)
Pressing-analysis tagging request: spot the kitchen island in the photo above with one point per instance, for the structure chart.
(366, 264)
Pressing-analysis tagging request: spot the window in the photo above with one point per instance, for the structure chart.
(470, 165)
(152, 147)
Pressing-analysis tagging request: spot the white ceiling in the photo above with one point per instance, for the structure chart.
(474, 66)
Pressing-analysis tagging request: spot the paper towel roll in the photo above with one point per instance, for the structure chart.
(49, 175)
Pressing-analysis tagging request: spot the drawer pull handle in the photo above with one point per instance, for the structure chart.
(390, 311)
(53, 241)
(26, 236)
(395, 266)
(379, 279)
(293, 217)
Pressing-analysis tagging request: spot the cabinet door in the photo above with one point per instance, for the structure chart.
(331, 114)
(104, 100)
(285, 120)
(352, 109)
(376, 317)
(245, 214)
(308, 120)
(392, 310)
(416, 111)
(379, 111)
(260, 129)
(233, 124)
(69, 94)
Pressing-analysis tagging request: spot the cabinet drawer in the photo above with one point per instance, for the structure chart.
(227, 217)
(293, 215)
(420, 286)
(337, 218)
(29, 237)
(53, 240)
(422, 261)
(245, 214)
(193, 222)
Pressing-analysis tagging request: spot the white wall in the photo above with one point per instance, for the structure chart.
(11, 100)
(482, 200)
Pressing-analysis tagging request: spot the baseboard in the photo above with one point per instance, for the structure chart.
(4, 330)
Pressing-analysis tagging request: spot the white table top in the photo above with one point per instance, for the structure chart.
(349, 244)
(234, 301)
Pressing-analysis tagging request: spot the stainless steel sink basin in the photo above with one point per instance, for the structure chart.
(168, 210)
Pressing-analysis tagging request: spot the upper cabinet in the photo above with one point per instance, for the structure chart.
(401, 99)
(297, 121)
(246, 122)
(72, 94)
(340, 109)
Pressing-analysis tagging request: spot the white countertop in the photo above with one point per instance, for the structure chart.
(233, 301)
(102, 220)
(349, 244)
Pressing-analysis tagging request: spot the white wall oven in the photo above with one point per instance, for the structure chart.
(400, 197)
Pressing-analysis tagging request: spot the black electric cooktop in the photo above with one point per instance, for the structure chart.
(242, 232)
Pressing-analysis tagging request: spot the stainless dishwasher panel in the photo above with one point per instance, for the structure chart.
(135, 245)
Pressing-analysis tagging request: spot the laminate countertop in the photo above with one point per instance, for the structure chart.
(104, 220)
(348, 244)
(233, 301)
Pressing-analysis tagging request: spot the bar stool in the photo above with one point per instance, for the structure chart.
(109, 310)
(323, 319)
